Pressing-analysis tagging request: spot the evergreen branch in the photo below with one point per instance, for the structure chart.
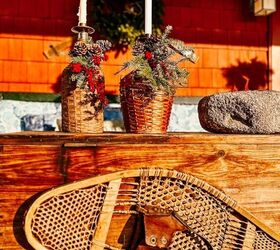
(80, 59)
(166, 33)
(186, 51)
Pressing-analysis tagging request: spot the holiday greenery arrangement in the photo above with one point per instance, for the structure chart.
(122, 21)
(84, 72)
(83, 90)
(147, 90)
(156, 62)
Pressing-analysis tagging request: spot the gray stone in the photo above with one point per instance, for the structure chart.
(32, 123)
(240, 112)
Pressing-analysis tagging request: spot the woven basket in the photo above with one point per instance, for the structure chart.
(144, 112)
(78, 116)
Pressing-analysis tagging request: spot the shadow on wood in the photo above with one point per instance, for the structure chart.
(18, 222)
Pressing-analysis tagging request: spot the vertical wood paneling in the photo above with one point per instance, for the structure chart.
(25, 170)
(209, 25)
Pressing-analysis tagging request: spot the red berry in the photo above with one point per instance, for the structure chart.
(76, 67)
(148, 55)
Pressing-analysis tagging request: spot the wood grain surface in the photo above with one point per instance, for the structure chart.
(25, 171)
(245, 167)
(120, 138)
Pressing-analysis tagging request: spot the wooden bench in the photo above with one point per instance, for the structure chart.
(245, 167)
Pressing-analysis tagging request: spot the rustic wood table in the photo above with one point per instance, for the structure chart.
(245, 167)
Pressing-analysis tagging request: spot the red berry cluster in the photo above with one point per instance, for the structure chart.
(76, 67)
(94, 78)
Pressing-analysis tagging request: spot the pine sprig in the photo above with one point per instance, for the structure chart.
(166, 33)
(81, 59)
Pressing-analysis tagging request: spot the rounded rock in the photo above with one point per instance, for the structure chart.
(241, 112)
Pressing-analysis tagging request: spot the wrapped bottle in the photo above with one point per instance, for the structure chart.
(83, 87)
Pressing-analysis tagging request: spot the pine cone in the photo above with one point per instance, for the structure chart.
(145, 43)
(80, 49)
(94, 49)
(152, 42)
(138, 49)
(104, 44)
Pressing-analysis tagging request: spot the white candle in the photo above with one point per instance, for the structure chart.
(83, 12)
(148, 17)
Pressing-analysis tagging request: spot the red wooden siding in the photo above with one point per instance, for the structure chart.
(222, 32)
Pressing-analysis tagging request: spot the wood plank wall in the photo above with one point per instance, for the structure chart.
(225, 34)
(274, 49)
(246, 167)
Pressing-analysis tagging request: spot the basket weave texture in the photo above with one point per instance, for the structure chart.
(145, 112)
(78, 116)
(212, 220)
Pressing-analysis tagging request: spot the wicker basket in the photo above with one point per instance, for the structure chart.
(78, 116)
(143, 111)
